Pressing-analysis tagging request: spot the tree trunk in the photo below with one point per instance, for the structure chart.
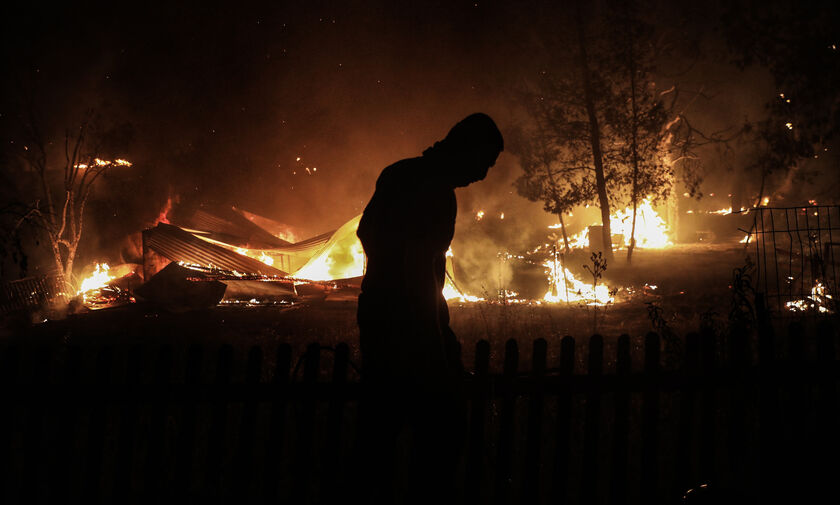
(563, 230)
(633, 146)
(594, 138)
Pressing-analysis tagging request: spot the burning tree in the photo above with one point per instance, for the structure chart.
(599, 130)
(58, 210)
(564, 165)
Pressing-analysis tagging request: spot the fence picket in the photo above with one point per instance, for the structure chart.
(34, 447)
(304, 425)
(592, 418)
(688, 398)
(504, 463)
(708, 408)
(185, 436)
(335, 418)
(96, 426)
(65, 430)
(9, 361)
(531, 481)
(240, 489)
(480, 395)
(650, 421)
(738, 395)
(277, 423)
(621, 426)
(129, 416)
(155, 469)
(216, 450)
(560, 478)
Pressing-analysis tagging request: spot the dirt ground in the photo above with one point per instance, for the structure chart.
(690, 280)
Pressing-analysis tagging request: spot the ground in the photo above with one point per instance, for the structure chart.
(690, 280)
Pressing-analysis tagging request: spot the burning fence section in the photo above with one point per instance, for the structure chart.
(796, 254)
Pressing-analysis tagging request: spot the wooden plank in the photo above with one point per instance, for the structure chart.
(650, 422)
(621, 425)
(304, 428)
(129, 418)
(185, 436)
(504, 458)
(216, 448)
(63, 439)
(277, 423)
(480, 395)
(335, 422)
(154, 471)
(533, 468)
(738, 395)
(562, 448)
(592, 419)
(96, 428)
(708, 409)
(685, 477)
(243, 466)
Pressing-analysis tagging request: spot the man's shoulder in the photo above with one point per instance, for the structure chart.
(400, 171)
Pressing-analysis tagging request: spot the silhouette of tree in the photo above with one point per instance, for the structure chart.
(56, 206)
(800, 46)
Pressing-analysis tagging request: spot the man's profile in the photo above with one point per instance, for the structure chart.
(411, 366)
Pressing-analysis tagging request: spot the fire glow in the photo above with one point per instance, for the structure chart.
(651, 230)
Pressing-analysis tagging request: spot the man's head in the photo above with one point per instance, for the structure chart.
(472, 146)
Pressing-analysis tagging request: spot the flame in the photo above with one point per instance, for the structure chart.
(651, 231)
(265, 258)
(565, 287)
(104, 163)
(97, 280)
(479, 215)
(342, 257)
(256, 254)
(818, 300)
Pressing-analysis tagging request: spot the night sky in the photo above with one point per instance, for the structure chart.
(224, 99)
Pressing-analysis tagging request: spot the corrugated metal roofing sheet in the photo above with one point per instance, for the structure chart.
(179, 245)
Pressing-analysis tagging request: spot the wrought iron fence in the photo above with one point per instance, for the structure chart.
(796, 255)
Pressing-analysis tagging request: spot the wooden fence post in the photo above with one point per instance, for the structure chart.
(9, 363)
(531, 481)
(621, 426)
(277, 423)
(684, 478)
(592, 419)
(504, 463)
(155, 468)
(563, 424)
(795, 459)
(129, 415)
(738, 396)
(100, 393)
(240, 488)
(304, 425)
(30, 485)
(216, 450)
(650, 421)
(478, 409)
(65, 430)
(335, 421)
(769, 425)
(185, 441)
(826, 405)
(708, 408)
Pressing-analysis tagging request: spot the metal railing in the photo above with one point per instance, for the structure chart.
(796, 254)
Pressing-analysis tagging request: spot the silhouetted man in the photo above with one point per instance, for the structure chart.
(411, 366)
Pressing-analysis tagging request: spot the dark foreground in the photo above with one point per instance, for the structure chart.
(560, 421)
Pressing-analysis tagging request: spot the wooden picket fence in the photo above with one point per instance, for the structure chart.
(141, 425)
